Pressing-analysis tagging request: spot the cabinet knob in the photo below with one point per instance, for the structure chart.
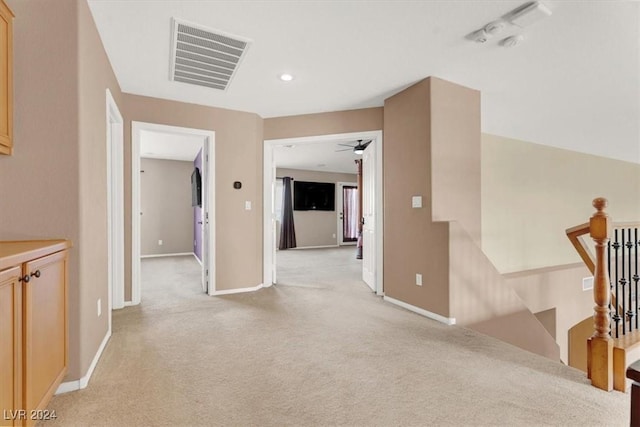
(24, 278)
(36, 273)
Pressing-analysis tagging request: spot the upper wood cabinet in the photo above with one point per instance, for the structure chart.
(6, 79)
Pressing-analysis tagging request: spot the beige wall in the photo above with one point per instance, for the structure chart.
(165, 201)
(59, 161)
(432, 149)
(412, 243)
(238, 157)
(532, 193)
(94, 77)
(323, 123)
(455, 151)
(316, 228)
(558, 287)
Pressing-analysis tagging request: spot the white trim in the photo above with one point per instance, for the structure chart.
(197, 259)
(115, 205)
(167, 255)
(84, 381)
(315, 247)
(237, 291)
(128, 304)
(268, 182)
(209, 142)
(446, 320)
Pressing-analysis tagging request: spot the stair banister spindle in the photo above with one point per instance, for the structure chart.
(616, 283)
(622, 281)
(635, 276)
(630, 312)
(601, 344)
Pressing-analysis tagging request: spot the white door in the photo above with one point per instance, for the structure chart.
(206, 233)
(368, 216)
(347, 213)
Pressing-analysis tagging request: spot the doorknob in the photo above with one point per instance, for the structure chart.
(199, 222)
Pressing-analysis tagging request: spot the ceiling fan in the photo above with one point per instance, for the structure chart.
(358, 148)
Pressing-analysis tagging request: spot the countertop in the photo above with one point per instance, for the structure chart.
(13, 253)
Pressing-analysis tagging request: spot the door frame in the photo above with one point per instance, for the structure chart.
(115, 205)
(340, 193)
(268, 216)
(208, 180)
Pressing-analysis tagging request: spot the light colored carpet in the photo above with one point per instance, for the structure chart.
(318, 349)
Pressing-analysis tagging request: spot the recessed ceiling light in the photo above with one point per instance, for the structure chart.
(286, 77)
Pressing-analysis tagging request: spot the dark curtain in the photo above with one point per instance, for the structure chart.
(287, 230)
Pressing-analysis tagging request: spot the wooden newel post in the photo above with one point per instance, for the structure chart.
(600, 346)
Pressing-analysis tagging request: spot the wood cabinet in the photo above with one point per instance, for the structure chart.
(10, 342)
(6, 79)
(33, 327)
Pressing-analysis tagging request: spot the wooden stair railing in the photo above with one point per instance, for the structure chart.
(609, 356)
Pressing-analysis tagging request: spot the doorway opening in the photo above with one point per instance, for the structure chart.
(173, 204)
(372, 271)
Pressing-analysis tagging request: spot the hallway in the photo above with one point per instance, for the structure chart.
(320, 349)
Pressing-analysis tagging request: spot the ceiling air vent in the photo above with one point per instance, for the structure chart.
(205, 57)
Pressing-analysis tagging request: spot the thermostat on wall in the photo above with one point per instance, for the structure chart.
(237, 185)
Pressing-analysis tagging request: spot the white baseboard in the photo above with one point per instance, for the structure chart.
(422, 312)
(84, 381)
(237, 291)
(165, 255)
(197, 259)
(316, 247)
(129, 303)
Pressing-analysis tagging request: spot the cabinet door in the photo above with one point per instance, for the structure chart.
(10, 347)
(6, 79)
(45, 329)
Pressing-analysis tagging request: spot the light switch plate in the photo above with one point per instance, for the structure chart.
(247, 205)
(416, 202)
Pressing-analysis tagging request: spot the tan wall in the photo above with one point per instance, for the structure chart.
(39, 197)
(165, 201)
(412, 243)
(558, 287)
(323, 123)
(94, 77)
(316, 228)
(481, 299)
(532, 193)
(431, 149)
(59, 165)
(455, 151)
(238, 157)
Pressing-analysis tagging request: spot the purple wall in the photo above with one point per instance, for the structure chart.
(197, 214)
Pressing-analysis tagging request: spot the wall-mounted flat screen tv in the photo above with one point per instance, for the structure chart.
(314, 196)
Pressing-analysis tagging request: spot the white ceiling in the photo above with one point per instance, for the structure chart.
(322, 156)
(169, 146)
(573, 83)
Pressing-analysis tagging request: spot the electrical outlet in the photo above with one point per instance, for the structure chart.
(333, 235)
(416, 201)
(418, 279)
(587, 283)
(99, 307)
(247, 205)
(159, 242)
